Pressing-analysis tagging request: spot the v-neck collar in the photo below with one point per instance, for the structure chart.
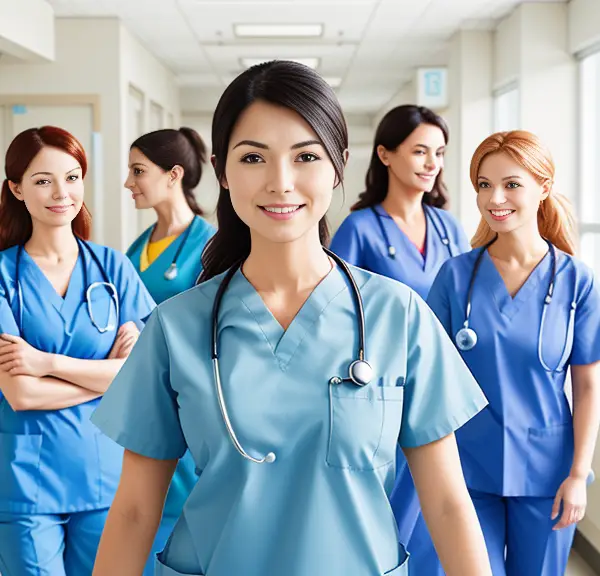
(284, 343)
(508, 305)
(425, 259)
(75, 288)
(167, 253)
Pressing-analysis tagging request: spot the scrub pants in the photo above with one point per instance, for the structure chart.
(50, 544)
(519, 537)
(160, 541)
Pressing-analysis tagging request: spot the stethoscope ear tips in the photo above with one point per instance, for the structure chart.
(270, 458)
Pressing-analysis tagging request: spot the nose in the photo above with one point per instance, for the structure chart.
(59, 192)
(129, 184)
(280, 177)
(498, 196)
(431, 161)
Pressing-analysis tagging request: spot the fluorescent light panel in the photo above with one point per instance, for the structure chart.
(310, 62)
(278, 30)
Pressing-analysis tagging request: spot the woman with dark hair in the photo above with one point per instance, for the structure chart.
(164, 168)
(399, 228)
(256, 371)
(70, 313)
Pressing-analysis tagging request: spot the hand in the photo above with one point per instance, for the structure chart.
(126, 338)
(19, 358)
(573, 495)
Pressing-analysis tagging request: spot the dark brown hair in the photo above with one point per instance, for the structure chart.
(184, 147)
(395, 127)
(15, 221)
(283, 83)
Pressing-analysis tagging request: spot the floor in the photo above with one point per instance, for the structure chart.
(578, 568)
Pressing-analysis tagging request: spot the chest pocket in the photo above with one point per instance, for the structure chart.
(364, 424)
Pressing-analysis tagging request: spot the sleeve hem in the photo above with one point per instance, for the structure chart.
(135, 445)
(451, 424)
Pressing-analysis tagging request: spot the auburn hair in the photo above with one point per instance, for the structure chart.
(556, 222)
(15, 221)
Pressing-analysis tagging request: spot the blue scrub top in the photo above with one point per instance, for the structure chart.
(54, 462)
(322, 507)
(189, 264)
(359, 241)
(522, 444)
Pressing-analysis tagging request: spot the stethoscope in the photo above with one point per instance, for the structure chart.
(466, 337)
(360, 371)
(110, 326)
(441, 232)
(172, 271)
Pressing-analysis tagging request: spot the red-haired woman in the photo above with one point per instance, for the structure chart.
(70, 312)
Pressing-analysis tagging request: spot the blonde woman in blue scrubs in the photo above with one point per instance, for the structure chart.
(164, 168)
(289, 375)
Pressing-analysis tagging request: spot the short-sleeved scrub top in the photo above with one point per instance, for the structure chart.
(522, 444)
(322, 508)
(362, 239)
(56, 461)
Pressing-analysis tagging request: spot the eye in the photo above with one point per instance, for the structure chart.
(441, 154)
(483, 185)
(73, 178)
(419, 152)
(513, 185)
(251, 159)
(137, 171)
(42, 182)
(308, 157)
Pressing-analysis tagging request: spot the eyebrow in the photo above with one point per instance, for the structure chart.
(50, 173)
(427, 147)
(503, 179)
(262, 146)
(137, 164)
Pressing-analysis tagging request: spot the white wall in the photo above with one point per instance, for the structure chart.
(469, 117)
(157, 84)
(23, 37)
(406, 95)
(584, 24)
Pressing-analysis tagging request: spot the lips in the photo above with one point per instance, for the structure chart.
(281, 211)
(59, 209)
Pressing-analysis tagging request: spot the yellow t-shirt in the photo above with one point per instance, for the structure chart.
(153, 250)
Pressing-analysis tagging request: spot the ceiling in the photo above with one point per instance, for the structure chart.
(371, 46)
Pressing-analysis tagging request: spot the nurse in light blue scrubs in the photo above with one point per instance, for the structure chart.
(164, 168)
(265, 373)
(70, 313)
(523, 311)
(399, 228)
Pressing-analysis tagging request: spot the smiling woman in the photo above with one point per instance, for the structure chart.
(70, 313)
(262, 372)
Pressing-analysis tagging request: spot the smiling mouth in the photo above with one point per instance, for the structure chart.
(282, 211)
(501, 214)
(59, 209)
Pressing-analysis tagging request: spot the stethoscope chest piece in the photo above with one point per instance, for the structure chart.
(466, 338)
(171, 272)
(391, 251)
(360, 373)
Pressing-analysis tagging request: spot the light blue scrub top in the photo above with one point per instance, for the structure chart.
(189, 266)
(359, 241)
(522, 444)
(56, 461)
(321, 509)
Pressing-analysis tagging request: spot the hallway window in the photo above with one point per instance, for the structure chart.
(506, 109)
(588, 208)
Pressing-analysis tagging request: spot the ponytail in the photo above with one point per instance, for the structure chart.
(556, 222)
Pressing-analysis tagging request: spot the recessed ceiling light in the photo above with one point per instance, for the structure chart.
(310, 62)
(278, 30)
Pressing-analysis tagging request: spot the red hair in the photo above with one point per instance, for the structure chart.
(15, 222)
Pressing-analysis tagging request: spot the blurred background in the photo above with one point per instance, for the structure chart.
(111, 70)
